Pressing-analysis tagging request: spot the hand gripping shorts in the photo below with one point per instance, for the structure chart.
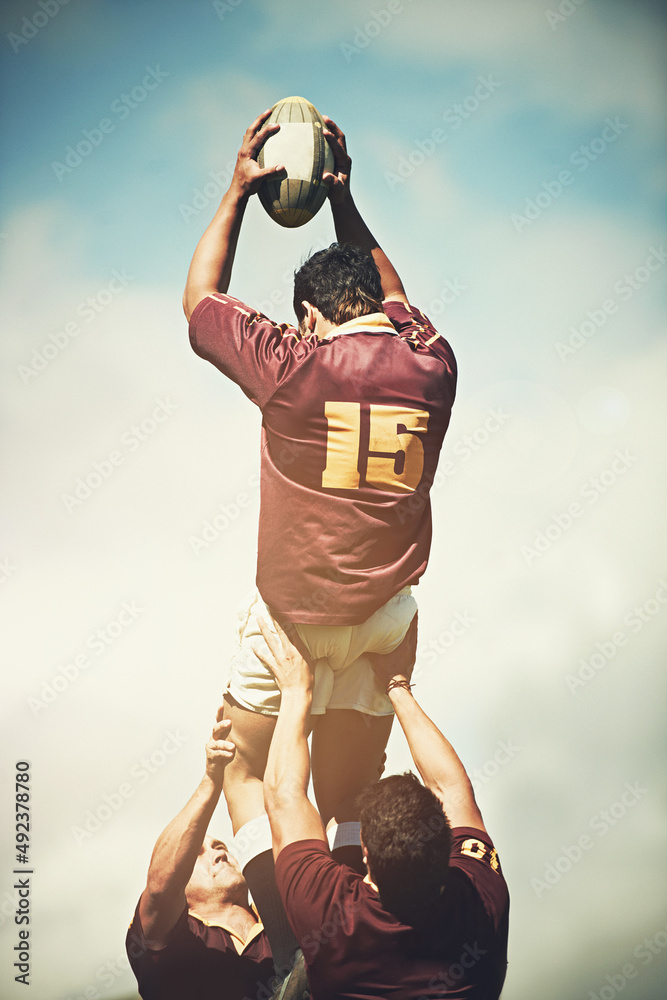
(344, 677)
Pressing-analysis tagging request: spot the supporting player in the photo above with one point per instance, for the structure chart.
(355, 406)
(194, 932)
(430, 918)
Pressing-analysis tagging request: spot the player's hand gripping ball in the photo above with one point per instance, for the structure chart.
(293, 198)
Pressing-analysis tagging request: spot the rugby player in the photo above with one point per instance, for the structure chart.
(194, 933)
(430, 917)
(355, 405)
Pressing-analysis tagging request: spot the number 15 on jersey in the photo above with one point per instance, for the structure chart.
(379, 446)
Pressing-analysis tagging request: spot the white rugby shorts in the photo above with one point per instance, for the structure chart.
(344, 677)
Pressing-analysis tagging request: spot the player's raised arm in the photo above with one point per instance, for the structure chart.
(178, 846)
(434, 756)
(291, 814)
(349, 225)
(211, 267)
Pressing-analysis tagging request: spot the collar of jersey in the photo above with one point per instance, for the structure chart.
(373, 323)
(237, 940)
(369, 881)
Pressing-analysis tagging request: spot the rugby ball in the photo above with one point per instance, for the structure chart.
(293, 198)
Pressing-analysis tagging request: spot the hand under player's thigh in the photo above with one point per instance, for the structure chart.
(348, 741)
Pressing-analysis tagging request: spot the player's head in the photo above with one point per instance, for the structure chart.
(343, 282)
(407, 839)
(216, 877)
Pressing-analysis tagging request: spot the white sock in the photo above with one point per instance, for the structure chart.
(252, 839)
(344, 835)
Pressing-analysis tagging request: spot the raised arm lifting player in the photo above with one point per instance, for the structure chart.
(355, 405)
(430, 919)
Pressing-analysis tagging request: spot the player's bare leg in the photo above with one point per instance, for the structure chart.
(242, 783)
(347, 754)
(348, 746)
(348, 751)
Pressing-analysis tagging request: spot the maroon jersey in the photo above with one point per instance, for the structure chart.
(351, 433)
(356, 949)
(200, 962)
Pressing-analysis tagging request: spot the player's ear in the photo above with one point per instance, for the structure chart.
(310, 316)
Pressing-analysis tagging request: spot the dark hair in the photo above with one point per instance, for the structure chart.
(408, 839)
(343, 282)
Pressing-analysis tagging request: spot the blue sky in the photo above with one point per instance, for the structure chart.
(547, 530)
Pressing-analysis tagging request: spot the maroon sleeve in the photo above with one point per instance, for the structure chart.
(473, 853)
(413, 325)
(243, 344)
(312, 885)
(136, 940)
(145, 960)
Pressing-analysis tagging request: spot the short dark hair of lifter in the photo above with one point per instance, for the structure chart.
(408, 839)
(342, 281)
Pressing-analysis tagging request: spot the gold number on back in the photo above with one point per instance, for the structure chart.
(395, 453)
(393, 443)
(344, 425)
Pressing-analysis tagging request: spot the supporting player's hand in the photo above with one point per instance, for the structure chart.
(397, 665)
(338, 182)
(285, 661)
(248, 175)
(219, 750)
